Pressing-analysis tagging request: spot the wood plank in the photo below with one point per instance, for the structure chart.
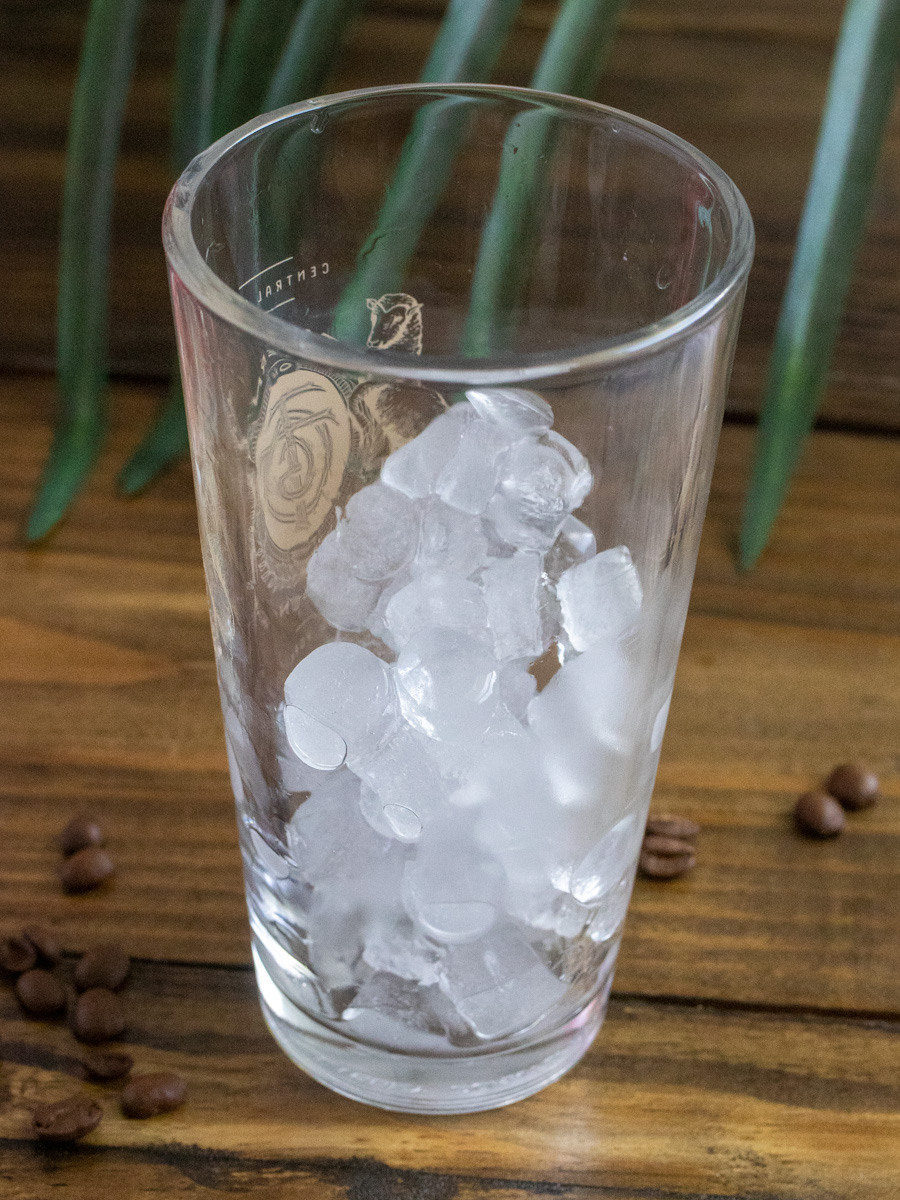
(744, 81)
(782, 673)
(672, 1101)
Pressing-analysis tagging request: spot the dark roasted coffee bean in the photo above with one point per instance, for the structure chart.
(81, 831)
(854, 785)
(17, 955)
(819, 814)
(149, 1095)
(98, 1015)
(41, 993)
(655, 843)
(86, 869)
(102, 967)
(669, 826)
(45, 942)
(66, 1120)
(666, 866)
(106, 1064)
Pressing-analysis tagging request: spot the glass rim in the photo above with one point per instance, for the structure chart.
(596, 356)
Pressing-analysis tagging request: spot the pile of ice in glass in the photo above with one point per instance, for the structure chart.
(458, 817)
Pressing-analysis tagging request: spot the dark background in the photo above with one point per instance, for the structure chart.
(742, 79)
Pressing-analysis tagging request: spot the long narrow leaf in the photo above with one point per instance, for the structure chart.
(856, 110)
(467, 46)
(256, 35)
(195, 78)
(199, 34)
(309, 51)
(571, 62)
(166, 441)
(104, 74)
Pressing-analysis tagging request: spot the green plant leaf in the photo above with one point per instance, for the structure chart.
(199, 35)
(859, 97)
(309, 51)
(467, 46)
(256, 35)
(166, 441)
(104, 74)
(571, 62)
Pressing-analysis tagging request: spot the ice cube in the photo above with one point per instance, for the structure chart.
(450, 887)
(314, 743)
(540, 483)
(376, 618)
(415, 467)
(450, 540)
(399, 948)
(379, 532)
(603, 866)
(600, 598)
(468, 480)
(447, 684)
(583, 720)
(499, 984)
(515, 408)
(348, 689)
(611, 910)
(435, 599)
(574, 544)
(329, 840)
(407, 784)
(395, 1012)
(511, 592)
(342, 599)
(517, 686)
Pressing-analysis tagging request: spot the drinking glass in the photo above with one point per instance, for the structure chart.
(454, 362)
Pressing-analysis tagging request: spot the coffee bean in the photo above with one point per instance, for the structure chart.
(102, 967)
(66, 1120)
(819, 814)
(666, 866)
(86, 869)
(106, 1064)
(149, 1095)
(98, 1015)
(669, 826)
(17, 955)
(854, 785)
(81, 831)
(41, 993)
(668, 847)
(44, 941)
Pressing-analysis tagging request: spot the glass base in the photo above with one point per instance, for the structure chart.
(413, 1083)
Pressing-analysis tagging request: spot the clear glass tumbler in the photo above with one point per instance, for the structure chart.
(454, 363)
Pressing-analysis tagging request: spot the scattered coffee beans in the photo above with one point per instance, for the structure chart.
(854, 784)
(81, 831)
(102, 967)
(149, 1095)
(44, 941)
(676, 827)
(667, 866)
(86, 869)
(41, 993)
(668, 849)
(819, 814)
(98, 1015)
(106, 1064)
(17, 955)
(66, 1120)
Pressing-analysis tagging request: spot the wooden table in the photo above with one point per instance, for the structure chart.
(752, 1047)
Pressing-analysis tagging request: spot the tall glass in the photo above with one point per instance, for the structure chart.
(454, 363)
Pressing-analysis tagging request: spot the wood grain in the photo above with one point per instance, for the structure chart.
(672, 1101)
(782, 673)
(743, 81)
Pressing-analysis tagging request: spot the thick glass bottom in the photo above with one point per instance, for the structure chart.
(421, 1083)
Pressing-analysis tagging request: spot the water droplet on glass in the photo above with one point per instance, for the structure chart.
(319, 121)
(663, 278)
